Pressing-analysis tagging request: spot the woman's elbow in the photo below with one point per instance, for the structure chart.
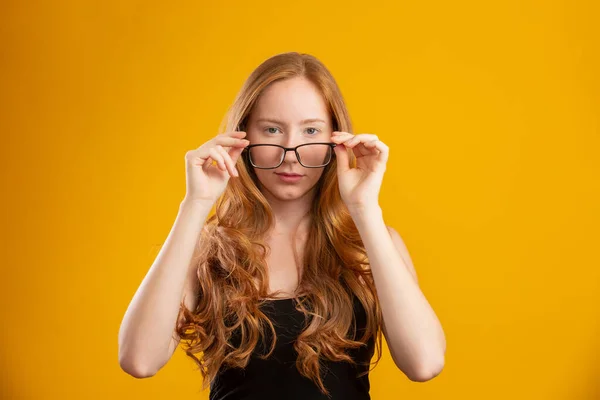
(427, 371)
(135, 369)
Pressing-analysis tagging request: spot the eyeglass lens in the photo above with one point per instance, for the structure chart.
(312, 155)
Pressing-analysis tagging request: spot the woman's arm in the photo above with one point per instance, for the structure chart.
(146, 340)
(411, 328)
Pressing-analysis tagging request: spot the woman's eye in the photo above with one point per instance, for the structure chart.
(272, 127)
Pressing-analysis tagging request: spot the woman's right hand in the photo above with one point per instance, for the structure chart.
(205, 181)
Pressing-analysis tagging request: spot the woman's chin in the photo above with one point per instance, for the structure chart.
(287, 192)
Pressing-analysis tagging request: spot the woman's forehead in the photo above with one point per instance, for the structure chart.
(290, 101)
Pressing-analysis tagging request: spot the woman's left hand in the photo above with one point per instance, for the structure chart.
(359, 187)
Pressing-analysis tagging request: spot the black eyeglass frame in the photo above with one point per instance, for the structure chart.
(285, 150)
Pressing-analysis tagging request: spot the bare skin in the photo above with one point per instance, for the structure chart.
(290, 102)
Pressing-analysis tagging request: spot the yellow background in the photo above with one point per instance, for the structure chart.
(491, 112)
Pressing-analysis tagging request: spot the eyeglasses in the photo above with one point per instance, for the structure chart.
(309, 155)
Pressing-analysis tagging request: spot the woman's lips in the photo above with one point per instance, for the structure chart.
(289, 178)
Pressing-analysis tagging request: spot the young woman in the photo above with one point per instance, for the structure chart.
(283, 292)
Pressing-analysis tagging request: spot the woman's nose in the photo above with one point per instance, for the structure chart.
(290, 155)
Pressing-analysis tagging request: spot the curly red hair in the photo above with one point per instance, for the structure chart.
(231, 267)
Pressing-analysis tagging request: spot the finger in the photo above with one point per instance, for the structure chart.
(201, 158)
(343, 160)
(234, 154)
(370, 148)
(204, 161)
(228, 141)
(341, 134)
(365, 137)
(341, 138)
(384, 150)
(229, 163)
(207, 164)
(227, 138)
(238, 134)
(214, 153)
(353, 140)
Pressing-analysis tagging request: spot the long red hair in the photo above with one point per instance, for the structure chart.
(231, 267)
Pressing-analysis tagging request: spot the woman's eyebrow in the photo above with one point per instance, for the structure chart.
(304, 121)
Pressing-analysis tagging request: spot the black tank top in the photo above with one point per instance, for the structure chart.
(278, 378)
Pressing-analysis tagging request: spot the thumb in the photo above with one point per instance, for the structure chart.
(343, 161)
(235, 153)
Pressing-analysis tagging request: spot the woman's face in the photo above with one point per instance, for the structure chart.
(289, 113)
